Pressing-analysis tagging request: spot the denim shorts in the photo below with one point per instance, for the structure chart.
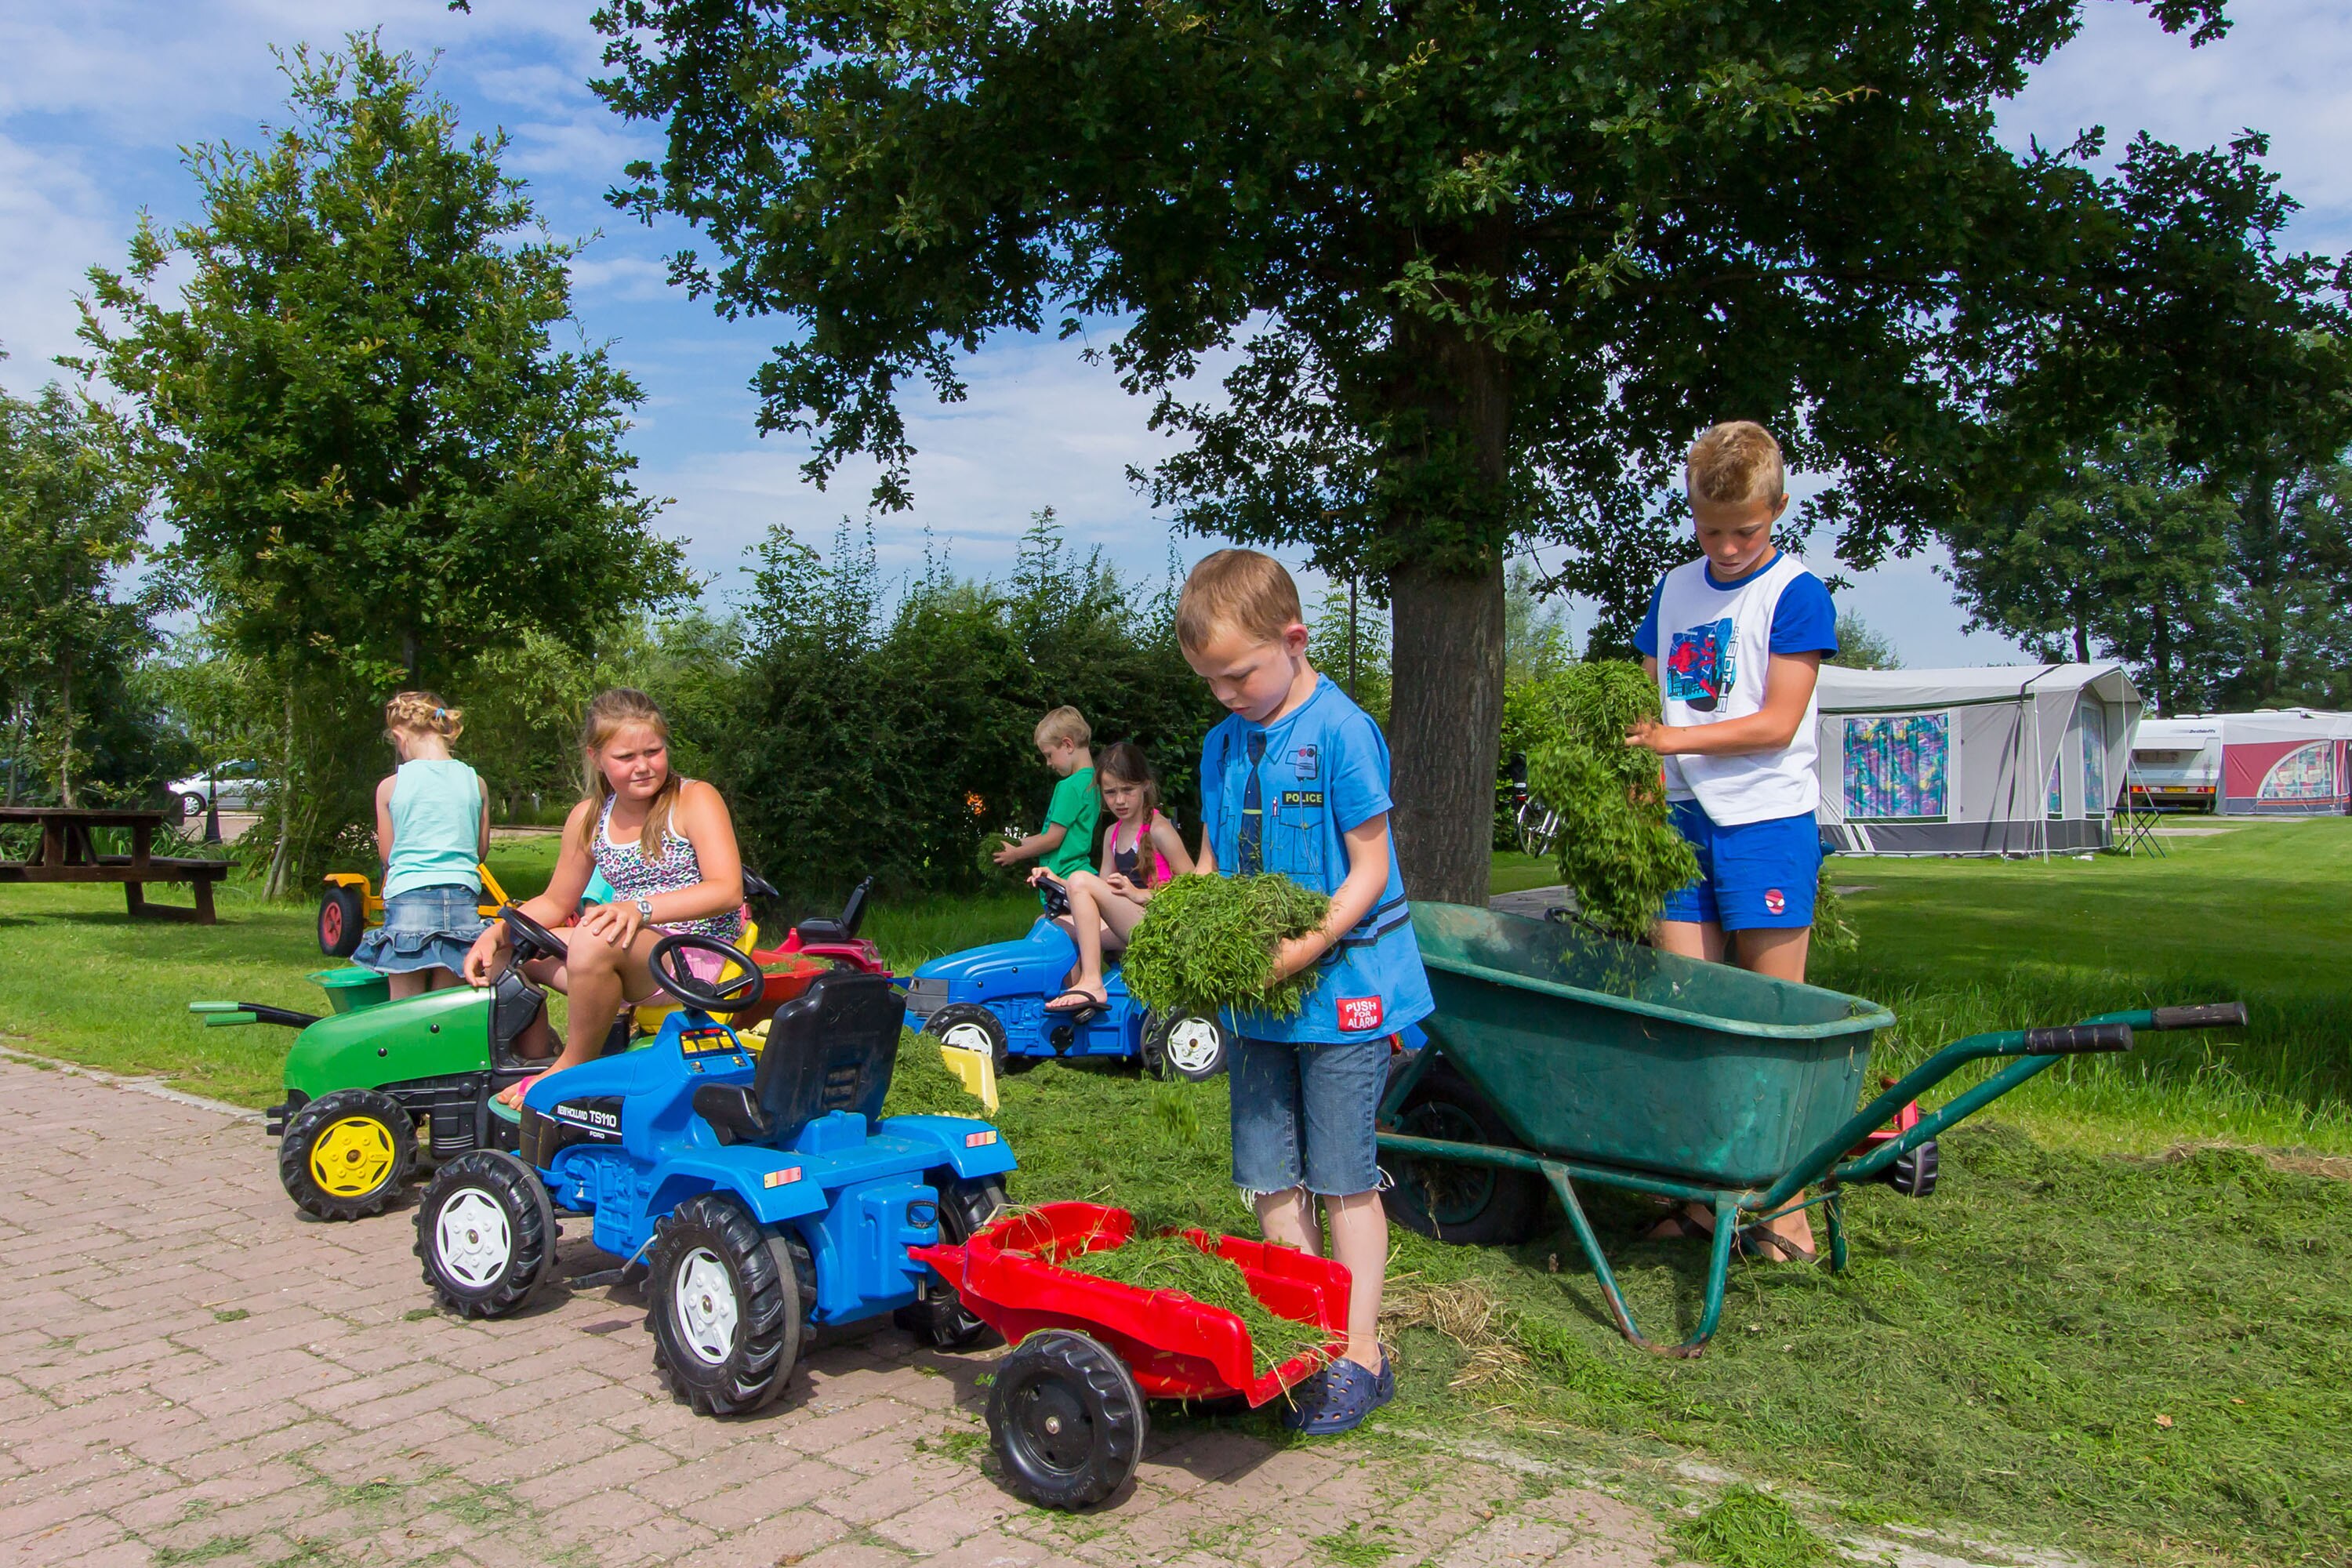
(1753, 876)
(424, 928)
(1302, 1114)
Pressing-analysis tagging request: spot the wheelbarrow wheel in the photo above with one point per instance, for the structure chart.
(941, 1319)
(1469, 1206)
(1914, 1175)
(1067, 1420)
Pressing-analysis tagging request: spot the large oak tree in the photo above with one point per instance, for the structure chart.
(1482, 267)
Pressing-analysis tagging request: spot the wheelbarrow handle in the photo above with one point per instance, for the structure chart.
(2200, 1015)
(2077, 1039)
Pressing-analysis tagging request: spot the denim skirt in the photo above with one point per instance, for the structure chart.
(424, 928)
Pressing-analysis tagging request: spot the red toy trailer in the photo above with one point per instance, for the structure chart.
(1066, 1413)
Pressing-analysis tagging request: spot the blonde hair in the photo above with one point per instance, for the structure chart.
(1735, 461)
(1064, 723)
(422, 713)
(608, 714)
(1239, 591)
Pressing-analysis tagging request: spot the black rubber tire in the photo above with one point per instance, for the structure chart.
(393, 1139)
(1914, 1175)
(191, 804)
(1067, 1420)
(972, 1013)
(1469, 1206)
(941, 1319)
(514, 1189)
(770, 1315)
(343, 920)
(1155, 1049)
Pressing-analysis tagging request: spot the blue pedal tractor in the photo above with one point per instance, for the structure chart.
(759, 1183)
(991, 1000)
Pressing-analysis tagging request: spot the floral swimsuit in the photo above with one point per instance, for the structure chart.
(632, 877)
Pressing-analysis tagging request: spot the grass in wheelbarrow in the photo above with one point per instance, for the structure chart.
(1996, 1360)
(1172, 1263)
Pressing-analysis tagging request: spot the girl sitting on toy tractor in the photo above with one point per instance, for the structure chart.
(665, 845)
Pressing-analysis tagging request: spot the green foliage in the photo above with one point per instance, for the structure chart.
(1172, 1263)
(1476, 272)
(72, 514)
(1862, 645)
(1749, 1529)
(1207, 943)
(869, 738)
(380, 464)
(1618, 848)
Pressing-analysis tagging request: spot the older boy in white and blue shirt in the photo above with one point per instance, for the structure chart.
(1735, 640)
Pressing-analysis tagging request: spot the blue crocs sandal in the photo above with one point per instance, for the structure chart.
(1340, 1397)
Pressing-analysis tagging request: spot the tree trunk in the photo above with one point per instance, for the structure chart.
(65, 749)
(1453, 446)
(1445, 721)
(2163, 661)
(281, 869)
(2081, 642)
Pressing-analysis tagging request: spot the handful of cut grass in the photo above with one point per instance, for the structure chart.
(1172, 1263)
(1206, 943)
(1618, 847)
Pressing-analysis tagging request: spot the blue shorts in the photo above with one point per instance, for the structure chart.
(1756, 876)
(1302, 1114)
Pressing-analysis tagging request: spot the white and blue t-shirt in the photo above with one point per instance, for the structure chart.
(1714, 642)
(1281, 797)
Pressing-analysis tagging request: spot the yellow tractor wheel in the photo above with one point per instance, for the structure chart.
(345, 1154)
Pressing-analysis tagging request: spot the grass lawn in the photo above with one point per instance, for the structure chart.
(2103, 1333)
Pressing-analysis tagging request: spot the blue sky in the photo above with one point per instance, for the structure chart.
(97, 99)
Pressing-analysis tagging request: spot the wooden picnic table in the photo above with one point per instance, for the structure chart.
(66, 853)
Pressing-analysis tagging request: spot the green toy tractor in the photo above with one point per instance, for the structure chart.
(363, 1078)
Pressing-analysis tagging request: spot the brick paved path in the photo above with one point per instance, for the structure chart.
(192, 1372)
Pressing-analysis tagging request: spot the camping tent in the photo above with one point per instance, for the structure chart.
(2012, 760)
(2284, 762)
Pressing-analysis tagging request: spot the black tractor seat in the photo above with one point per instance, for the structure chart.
(832, 1048)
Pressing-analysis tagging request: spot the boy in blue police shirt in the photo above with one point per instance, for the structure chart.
(1735, 640)
(1295, 780)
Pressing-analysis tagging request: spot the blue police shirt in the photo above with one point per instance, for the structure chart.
(1320, 771)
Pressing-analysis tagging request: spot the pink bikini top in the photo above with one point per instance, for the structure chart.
(1123, 861)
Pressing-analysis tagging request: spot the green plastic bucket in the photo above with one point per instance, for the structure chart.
(1605, 1052)
(349, 989)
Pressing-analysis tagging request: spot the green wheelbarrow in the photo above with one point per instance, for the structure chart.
(1559, 1056)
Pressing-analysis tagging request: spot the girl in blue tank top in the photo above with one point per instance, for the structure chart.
(431, 823)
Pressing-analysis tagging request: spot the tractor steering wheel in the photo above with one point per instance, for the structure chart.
(531, 940)
(674, 977)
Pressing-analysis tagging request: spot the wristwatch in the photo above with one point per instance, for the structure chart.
(645, 910)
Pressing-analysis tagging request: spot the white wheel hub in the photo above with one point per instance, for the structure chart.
(705, 1299)
(968, 1037)
(477, 1243)
(1193, 1045)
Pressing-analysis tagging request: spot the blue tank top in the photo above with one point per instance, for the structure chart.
(436, 826)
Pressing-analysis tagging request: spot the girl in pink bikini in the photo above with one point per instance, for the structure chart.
(666, 846)
(1140, 853)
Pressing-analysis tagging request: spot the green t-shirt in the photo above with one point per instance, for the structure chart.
(1074, 806)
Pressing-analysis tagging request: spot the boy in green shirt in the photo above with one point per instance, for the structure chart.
(1067, 842)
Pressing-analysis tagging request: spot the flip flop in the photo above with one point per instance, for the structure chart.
(1685, 1229)
(1762, 1241)
(1088, 1005)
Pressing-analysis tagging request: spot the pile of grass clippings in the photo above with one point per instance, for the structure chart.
(1618, 848)
(1172, 1263)
(1207, 943)
(1749, 1529)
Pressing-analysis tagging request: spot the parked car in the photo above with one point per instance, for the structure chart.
(239, 785)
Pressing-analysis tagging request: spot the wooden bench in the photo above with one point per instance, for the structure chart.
(66, 853)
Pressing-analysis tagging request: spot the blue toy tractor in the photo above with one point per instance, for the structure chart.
(765, 1193)
(992, 1000)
